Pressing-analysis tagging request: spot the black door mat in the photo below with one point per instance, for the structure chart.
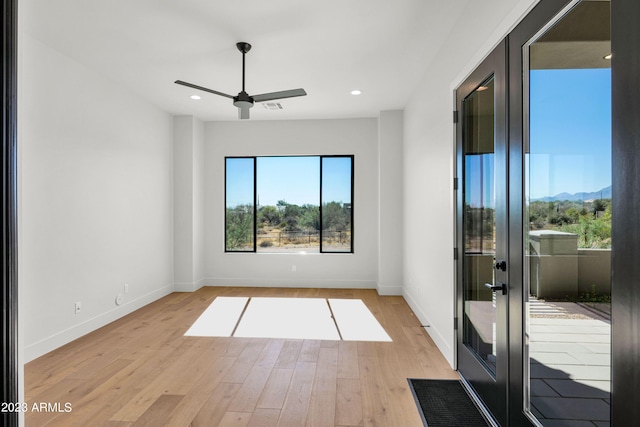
(445, 403)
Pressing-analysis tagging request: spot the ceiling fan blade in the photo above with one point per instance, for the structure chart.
(279, 95)
(180, 82)
(243, 113)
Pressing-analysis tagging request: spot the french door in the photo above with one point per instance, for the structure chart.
(483, 287)
(533, 220)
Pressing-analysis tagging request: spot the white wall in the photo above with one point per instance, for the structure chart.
(188, 207)
(390, 124)
(428, 266)
(303, 137)
(96, 199)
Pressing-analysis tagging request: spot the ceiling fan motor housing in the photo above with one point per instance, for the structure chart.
(243, 100)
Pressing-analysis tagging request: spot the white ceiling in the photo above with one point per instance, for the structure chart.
(330, 47)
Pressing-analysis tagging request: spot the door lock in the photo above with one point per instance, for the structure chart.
(502, 287)
(500, 265)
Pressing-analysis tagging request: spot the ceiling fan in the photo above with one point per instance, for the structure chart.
(243, 100)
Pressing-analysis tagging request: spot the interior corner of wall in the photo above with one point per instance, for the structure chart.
(188, 287)
(388, 290)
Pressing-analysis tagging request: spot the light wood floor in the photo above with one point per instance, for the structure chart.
(142, 371)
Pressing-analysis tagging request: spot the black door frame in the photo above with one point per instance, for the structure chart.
(625, 331)
(521, 34)
(10, 368)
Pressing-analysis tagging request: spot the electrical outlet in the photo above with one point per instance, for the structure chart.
(126, 288)
(77, 307)
(293, 268)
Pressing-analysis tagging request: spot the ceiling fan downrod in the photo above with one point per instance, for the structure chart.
(243, 47)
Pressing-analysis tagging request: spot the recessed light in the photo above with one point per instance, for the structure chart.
(195, 97)
(356, 92)
(607, 56)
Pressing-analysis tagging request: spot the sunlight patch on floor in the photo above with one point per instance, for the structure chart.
(219, 319)
(289, 318)
(292, 318)
(355, 321)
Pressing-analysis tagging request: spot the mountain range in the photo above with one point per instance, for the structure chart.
(605, 193)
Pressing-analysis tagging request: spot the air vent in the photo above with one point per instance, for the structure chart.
(272, 105)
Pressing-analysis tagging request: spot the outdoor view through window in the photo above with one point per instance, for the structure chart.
(289, 204)
(569, 220)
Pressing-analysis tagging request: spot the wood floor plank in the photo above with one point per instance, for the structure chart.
(62, 393)
(141, 369)
(329, 344)
(174, 379)
(394, 374)
(404, 313)
(157, 413)
(296, 404)
(247, 397)
(429, 357)
(188, 370)
(348, 402)
(263, 417)
(322, 407)
(109, 397)
(240, 369)
(289, 354)
(216, 405)
(115, 424)
(197, 397)
(375, 403)
(309, 351)
(236, 346)
(275, 390)
(348, 360)
(366, 348)
(235, 419)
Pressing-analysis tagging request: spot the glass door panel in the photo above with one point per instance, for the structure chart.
(568, 218)
(479, 321)
(481, 233)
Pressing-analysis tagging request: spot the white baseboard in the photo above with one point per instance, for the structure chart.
(292, 283)
(389, 290)
(445, 348)
(189, 287)
(59, 339)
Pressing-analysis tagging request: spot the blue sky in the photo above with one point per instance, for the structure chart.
(570, 131)
(336, 179)
(295, 180)
(239, 189)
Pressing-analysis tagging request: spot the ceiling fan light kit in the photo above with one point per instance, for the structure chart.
(243, 101)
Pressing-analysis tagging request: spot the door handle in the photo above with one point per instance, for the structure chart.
(502, 287)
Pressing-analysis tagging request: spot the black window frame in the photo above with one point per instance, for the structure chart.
(321, 158)
(255, 182)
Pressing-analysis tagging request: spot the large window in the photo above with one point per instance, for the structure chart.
(289, 204)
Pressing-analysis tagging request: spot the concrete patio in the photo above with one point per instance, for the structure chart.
(570, 364)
